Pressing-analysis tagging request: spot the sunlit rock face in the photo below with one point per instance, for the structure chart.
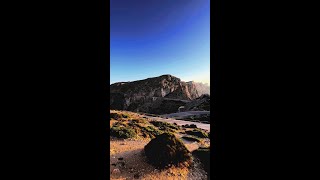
(165, 92)
(201, 88)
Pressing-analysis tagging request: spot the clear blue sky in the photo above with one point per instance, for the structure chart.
(150, 38)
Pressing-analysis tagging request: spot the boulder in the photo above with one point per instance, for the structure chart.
(165, 150)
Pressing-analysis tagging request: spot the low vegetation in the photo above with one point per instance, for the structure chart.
(150, 132)
(191, 138)
(197, 132)
(140, 120)
(190, 126)
(165, 126)
(118, 116)
(122, 132)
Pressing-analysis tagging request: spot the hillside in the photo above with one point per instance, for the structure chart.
(153, 94)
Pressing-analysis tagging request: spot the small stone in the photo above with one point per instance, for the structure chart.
(136, 176)
(121, 163)
(115, 171)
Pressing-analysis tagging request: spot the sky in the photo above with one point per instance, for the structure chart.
(149, 38)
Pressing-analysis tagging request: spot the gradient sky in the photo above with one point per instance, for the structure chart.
(149, 38)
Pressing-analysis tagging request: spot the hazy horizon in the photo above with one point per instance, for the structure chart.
(153, 38)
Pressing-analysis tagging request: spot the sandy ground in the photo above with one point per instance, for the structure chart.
(127, 159)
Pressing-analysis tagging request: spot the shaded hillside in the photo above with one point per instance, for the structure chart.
(201, 103)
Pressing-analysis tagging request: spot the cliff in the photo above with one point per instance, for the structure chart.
(163, 94)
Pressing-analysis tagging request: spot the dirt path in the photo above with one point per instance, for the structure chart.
(186, 114)
(181, 122)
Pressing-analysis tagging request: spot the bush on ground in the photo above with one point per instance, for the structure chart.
(150, 131)
(191, 138)
(122, 132)
(115, 116)
(139, 121)
(118, 116)
(118, 124)
(198, 133)
(190, 126)
(164, 125)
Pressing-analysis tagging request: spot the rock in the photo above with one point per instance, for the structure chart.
(203, 154)
(121, 163)
(166, 149)
(158, 95)
(116, 171)
(201, 103)
(131, 170)
(137, 175)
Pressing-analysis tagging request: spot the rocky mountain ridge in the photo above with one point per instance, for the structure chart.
(162, 94)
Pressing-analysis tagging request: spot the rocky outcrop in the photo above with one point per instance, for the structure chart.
(201, 103)
(201, 88)
(148, 95)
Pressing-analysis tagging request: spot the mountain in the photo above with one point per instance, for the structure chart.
(201, 103)
(158, 95)
(201, 88)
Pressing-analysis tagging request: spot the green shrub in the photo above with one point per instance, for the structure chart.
(118, 124)
(165, 125)
(191, 138)
(198, 133)
(165, 150)
(118, 116)
(190, 126)
(115, 116)
(150, 131)
(139, 121)
(125, 115)
(122, 132)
